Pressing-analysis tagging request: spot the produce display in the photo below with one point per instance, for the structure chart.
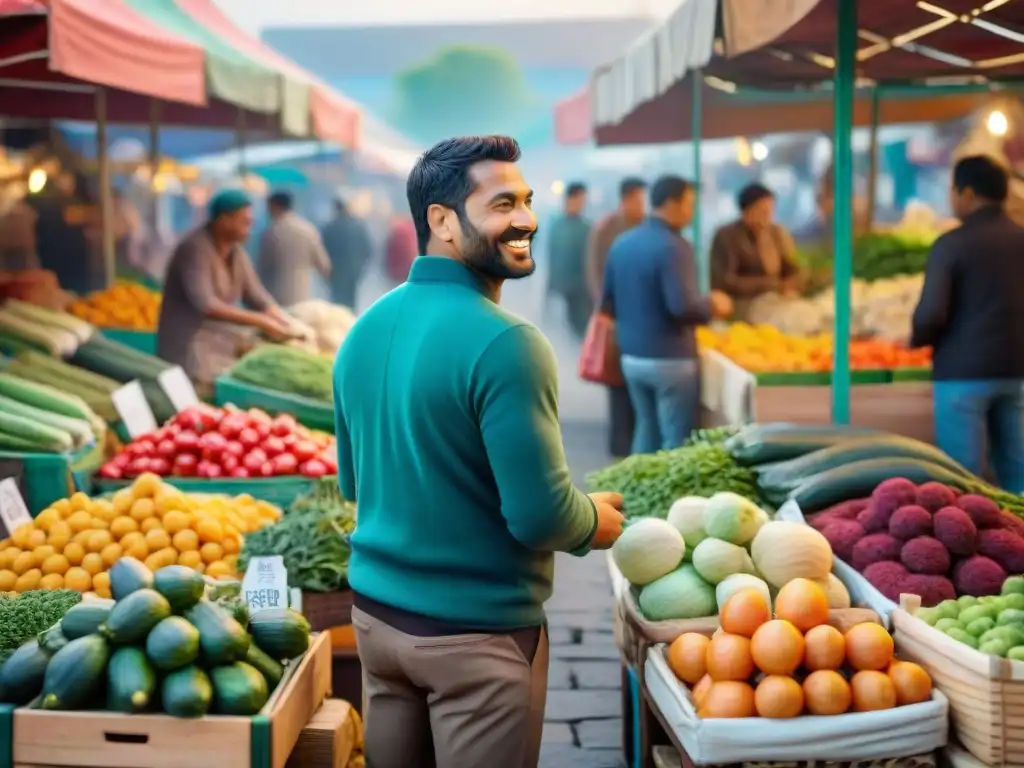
(287, 369)
(930, 540)
(767, 349)
(650, 483)
(24, 616)
(93, 389)
(36, 286)
(72, 544)
(689, 565)
(126, 305)
(209, 442)
(38, 418)
(51, 331)
(121, 363)
(313, 539)
(330, 323)
(993, 624)
(159, 644)
(793, 664)
(882, 308)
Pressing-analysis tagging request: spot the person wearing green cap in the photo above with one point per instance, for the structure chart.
(212, 294)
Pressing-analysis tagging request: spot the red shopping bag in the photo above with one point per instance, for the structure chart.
(599, 356)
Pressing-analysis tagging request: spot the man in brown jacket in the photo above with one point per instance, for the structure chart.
(631, 211)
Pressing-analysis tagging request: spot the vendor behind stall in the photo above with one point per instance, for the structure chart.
(754, 255)
(208, 278)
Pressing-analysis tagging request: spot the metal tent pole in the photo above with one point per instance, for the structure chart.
(105, 197)
(872, 188)
(695, 131)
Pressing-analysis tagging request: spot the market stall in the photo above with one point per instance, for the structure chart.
(725, 610)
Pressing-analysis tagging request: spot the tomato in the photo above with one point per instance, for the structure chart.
(254, 460)
(185, 465)
(285, 464)
(273, 446)
(330, 460)
(305, 450)
(257, 416)
(234, 448)
(187, 441)
(138, 466)
(240, 472)
(160, 466)
(231, 408)
(191, 419)
(283, 424)
(249, 438)
(229, 463)
(110, 471)
(171, 429)
(166, 448)
(262, 429)
(313, 468)
(121, 460)
(267, 470)
(212, 445)
(290, 441)
(231, 425)
(214, 470)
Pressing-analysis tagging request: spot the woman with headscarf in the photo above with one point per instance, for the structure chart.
(212, 292)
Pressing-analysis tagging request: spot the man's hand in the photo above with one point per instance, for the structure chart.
(275, 329)
(609, 519)
(721, 305)
(790, 289)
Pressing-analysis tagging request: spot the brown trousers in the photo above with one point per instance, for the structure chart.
(458, 701)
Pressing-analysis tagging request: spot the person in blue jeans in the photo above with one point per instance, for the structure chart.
(971, 313)
(650, 289)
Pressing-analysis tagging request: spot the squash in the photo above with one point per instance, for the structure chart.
(647, 550)
(783, 551)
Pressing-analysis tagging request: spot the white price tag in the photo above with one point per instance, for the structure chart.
(175, 383)
(13, 511)
(131, 405)
(265, 584)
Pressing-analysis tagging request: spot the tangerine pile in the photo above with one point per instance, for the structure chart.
(793, 664)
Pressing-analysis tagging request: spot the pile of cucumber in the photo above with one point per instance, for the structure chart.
(821, 465)
(159, 646)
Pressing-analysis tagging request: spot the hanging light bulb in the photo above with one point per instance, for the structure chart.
(996, 123)
(759, 150)
(36, 181)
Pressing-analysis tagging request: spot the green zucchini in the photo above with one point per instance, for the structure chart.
(183, 587)
(222, 640)
(42, 396)
(131, 681)
(74, 673)
(75, 374)
(117, 361)
(85, 618)
(860, 478)
(758, 432)
(238, 689)
(790, 474)
(280, 632)
(56, 341)
(53, 639)
(47, 439)
(80, 329)
(187, 692)
(21, 676)
(13, 345)
(172, 644)
(132, 618)
(129, 575)
(272, 670)
(764, 447)
(10, 442)
(79, 429)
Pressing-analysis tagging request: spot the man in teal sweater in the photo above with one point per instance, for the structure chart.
(448, 441)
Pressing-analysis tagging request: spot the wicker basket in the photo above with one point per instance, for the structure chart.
(669, 757)
(325, 610)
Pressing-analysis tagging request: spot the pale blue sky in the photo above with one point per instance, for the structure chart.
(253, 15)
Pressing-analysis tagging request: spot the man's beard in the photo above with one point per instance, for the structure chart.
(483, 255)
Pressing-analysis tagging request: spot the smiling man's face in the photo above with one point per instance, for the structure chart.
(499, 223)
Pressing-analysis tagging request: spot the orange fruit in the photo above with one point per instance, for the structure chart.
(700, 690)
(78, 579)
(869, 646)
(913, 685)
(728, 658)
(826, 692)
(728, 698)
(779, 696)
(825, 648)
(777, 647)
(687, 657)
(744, 612)
(872, 690)
(803, 604)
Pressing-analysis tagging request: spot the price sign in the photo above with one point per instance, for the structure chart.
(131, 405)
(179, 390)
(265, 584)
(13, 511)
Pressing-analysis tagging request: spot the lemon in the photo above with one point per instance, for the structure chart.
(28, 580)
(74, 552)
(78, 579)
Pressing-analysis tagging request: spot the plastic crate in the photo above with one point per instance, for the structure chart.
(44, 478)
(143, 341)
(281, 491)
(312, 413)
(912, 374)
(877, 376)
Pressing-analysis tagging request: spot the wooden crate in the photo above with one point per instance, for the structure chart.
(111, 740)
(986, 693)
(330, 738)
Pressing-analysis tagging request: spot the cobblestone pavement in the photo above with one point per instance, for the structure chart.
(583, 721)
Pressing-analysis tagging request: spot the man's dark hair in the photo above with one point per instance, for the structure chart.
(574, 189)
(752, 193)
(667, 188)
(629, 185)
(984, 175)
(282, 200)
(441, 176)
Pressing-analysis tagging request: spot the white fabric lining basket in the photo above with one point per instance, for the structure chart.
(619, 582)
(901, 732)
(862, 592)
